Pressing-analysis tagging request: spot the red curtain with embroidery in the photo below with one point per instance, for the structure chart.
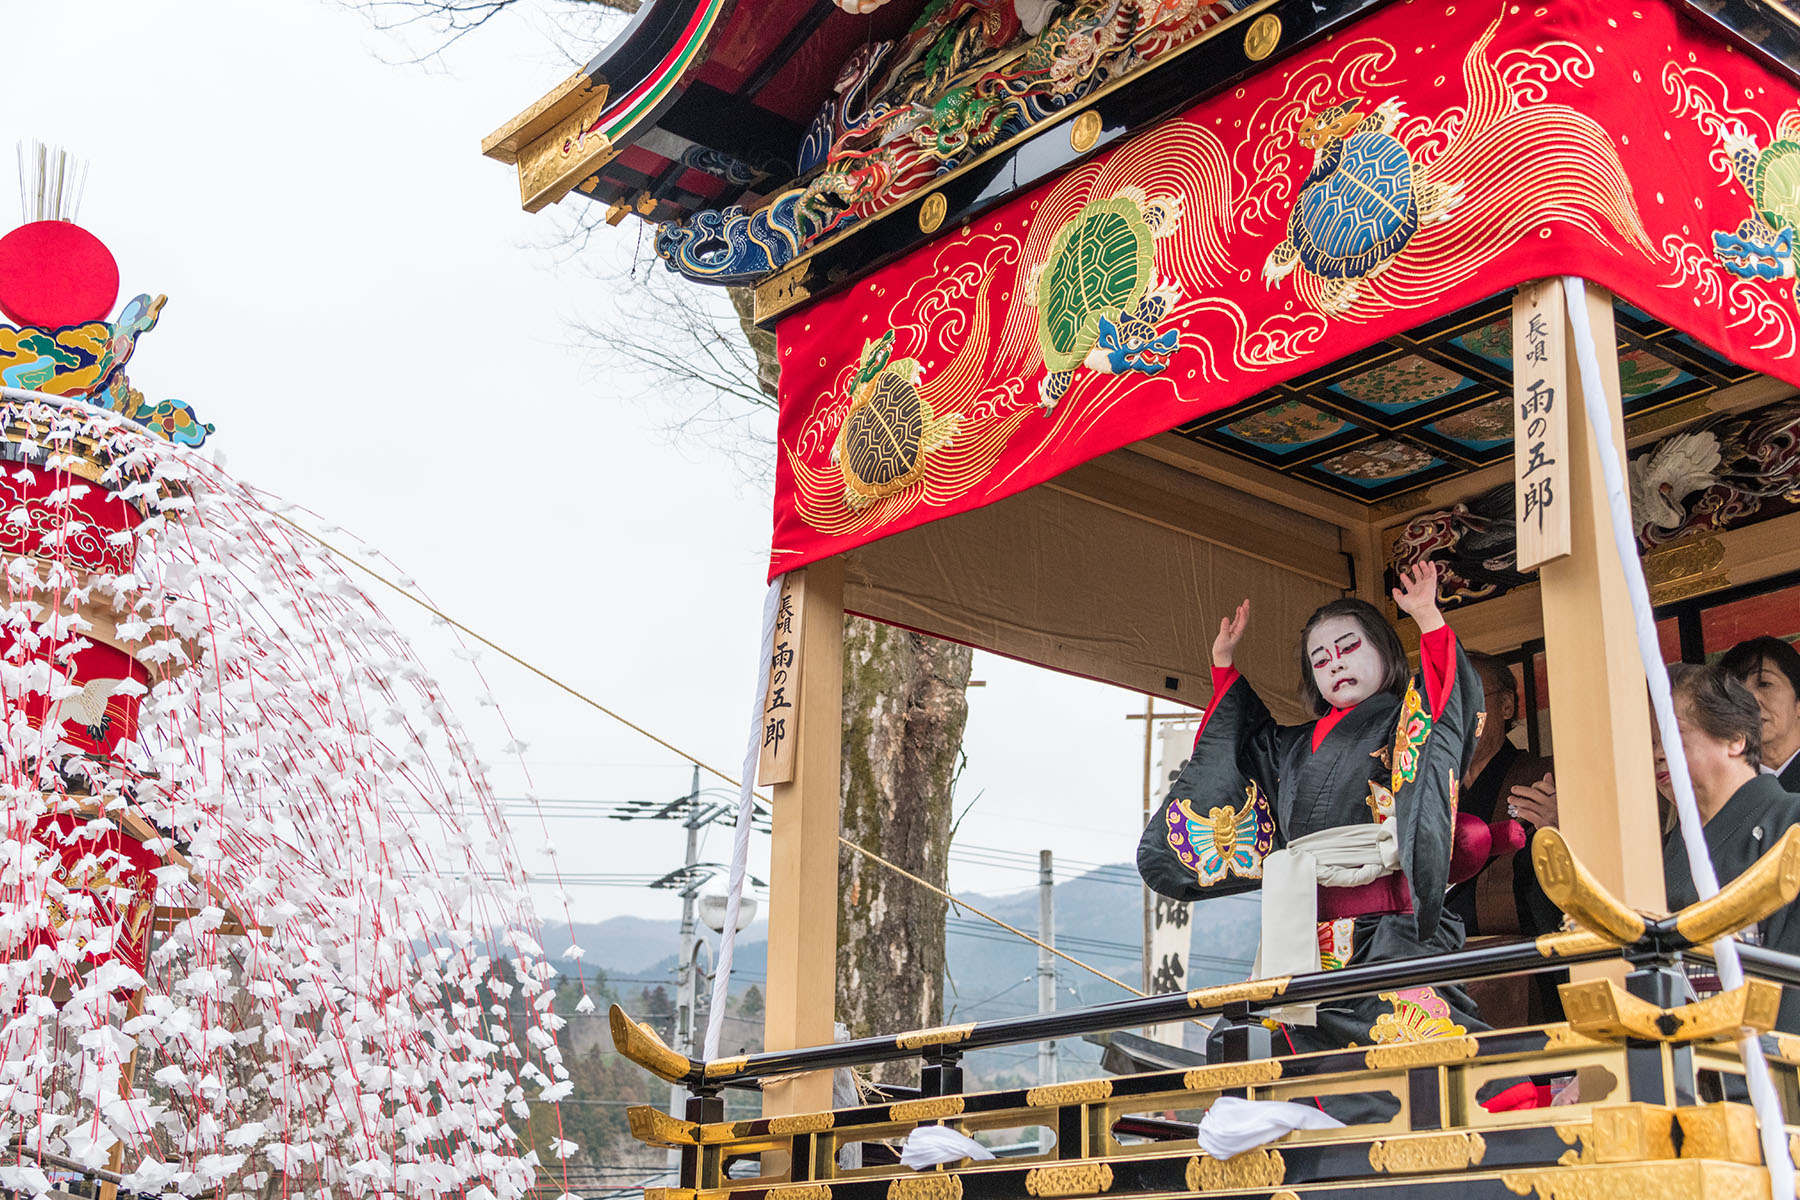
(1419, 161)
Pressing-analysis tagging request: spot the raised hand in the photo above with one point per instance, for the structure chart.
(1231, 632)
(1417, 595)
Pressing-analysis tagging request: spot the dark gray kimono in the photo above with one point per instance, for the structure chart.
(1388, 758)
(1752, 821)
(1790, 778)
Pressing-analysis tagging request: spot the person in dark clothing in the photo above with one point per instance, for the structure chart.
(1361, 797)
(1505, 898)
(1743, 811)
(1770, 668)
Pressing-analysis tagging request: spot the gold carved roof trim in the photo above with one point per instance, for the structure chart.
(507, 142)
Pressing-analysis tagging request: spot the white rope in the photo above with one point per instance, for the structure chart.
(1769, 1119)
(740, 842)
(25, 395)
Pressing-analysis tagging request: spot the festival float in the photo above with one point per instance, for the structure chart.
(251, 947)
(1095, 317)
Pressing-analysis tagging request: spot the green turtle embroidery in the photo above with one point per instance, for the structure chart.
(890, 430)
(1095, 303)
(1762, 246)
(1361, 203)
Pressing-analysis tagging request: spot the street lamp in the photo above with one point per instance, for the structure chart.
(713, 906)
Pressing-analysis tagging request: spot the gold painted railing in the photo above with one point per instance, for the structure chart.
(1651, 1111)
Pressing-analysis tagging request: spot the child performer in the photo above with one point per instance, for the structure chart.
(1361, 799)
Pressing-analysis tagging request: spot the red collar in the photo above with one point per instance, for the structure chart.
(1328, 722)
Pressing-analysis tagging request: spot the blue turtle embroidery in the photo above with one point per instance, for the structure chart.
(1361, 203)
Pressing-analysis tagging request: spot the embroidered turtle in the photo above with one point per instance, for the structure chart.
(1361, 203)
(1762, 246)
(1095, 303)
(890, 429)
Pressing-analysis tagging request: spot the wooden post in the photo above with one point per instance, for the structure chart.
(803, 858)
(1599, 709)
(1365, 548)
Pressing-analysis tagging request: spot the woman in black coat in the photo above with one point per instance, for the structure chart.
(1743, 810)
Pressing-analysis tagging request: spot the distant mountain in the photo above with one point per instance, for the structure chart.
(636, 946)
(1099, 920)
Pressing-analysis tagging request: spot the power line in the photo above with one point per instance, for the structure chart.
(671, 747)
(997, 856)
(1073, 941)
(990, 999)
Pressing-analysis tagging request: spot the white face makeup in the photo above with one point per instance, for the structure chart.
(1346, 667)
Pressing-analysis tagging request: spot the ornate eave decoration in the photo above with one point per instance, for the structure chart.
(969, 107)
(585, 121)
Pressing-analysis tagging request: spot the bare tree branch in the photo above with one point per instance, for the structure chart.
(440, 24)
(680, 348)
(691, 348)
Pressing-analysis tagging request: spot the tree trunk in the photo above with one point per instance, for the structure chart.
(905, 705)
(762, 341)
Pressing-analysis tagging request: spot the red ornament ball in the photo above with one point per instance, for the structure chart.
(55, 273)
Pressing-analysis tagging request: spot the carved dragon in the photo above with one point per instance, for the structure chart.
(968, 75)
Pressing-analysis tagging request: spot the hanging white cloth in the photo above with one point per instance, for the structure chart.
(930, 1145)
(1233, 1125)
(1347, 856)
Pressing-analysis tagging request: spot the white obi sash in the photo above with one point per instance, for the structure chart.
(1345, 856)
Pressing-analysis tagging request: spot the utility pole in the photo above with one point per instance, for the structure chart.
(695, 812)
(1046, 965)
(684, 966)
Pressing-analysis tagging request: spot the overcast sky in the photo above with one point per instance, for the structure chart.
(380, 334)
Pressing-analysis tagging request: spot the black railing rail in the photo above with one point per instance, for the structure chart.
(1650, 1007)
(1232, 1000)
(1760, 962)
